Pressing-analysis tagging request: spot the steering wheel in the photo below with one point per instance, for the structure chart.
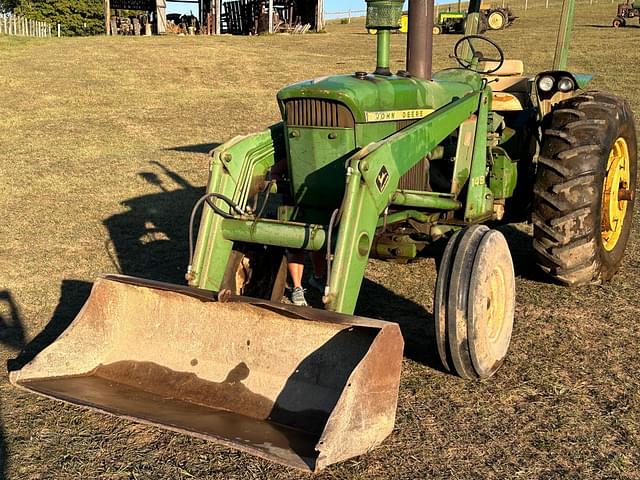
(469, 44)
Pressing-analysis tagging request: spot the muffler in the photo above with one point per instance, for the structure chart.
(302, 387)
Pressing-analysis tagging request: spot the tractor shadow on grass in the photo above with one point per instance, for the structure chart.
(416, 323)
(205, 148)
(151, 239)
(12, 337)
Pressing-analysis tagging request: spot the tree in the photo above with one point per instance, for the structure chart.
(76, 17)
(7, 5)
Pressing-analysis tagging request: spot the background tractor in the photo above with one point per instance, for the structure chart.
(625, 11)
(498, 18)
(491, 18)
(363, 165)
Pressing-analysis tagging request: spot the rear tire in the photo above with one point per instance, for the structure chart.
(256, 271)
(496, 20)
(580, 230)
(474, 302)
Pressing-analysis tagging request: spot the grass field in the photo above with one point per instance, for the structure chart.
(103, 147)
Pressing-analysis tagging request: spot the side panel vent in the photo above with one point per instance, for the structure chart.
(311, 112)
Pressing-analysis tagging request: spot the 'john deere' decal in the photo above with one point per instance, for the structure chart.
(382, 179)
(395, 115)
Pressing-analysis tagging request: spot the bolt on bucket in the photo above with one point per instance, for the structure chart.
(298, 386)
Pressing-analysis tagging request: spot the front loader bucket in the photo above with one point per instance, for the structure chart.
(298, 386)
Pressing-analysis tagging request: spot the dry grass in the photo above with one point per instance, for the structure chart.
(101, 158)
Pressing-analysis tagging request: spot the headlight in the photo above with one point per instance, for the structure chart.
(565, 84)
(546, 83)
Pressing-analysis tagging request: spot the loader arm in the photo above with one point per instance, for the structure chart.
(236, 167)
(373, 175)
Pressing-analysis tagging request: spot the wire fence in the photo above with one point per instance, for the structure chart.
(348, 15)
(24, 27)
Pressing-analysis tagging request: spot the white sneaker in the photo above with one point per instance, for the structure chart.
(297, 297)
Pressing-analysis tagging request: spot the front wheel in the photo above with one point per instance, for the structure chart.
(474, 302)
(618, 22)
(584, 189)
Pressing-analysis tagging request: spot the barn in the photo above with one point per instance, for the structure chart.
(211, 17)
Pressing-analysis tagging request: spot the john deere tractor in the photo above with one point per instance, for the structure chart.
(627, 10)
(370, 164)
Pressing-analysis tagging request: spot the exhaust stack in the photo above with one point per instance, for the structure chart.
(420, 39)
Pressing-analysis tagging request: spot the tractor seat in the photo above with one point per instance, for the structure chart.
(509, 68)
(510, 87)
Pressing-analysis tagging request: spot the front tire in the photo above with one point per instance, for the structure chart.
(618, 22)
(585, 187)
(474, 302)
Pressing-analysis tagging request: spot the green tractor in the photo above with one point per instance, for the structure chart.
(451, 22)
(384, 165)
(363, 165)
(626, 11)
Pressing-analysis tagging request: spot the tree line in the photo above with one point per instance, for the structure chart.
(76, 17)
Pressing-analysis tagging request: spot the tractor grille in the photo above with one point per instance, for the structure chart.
(311, 112)
(417, 178)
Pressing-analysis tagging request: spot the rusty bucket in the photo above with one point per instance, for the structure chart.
(298, 386)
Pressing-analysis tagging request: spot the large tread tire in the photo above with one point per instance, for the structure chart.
(578, 137)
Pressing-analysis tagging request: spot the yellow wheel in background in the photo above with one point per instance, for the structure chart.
(496, 21)
(437, 30)
(614, 195)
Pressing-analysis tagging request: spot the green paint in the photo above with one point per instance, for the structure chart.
(479, 204)
(273, 232)
(464, 155)
(504, 174)
(235, 168)
(384, 47)
(316, 159)
(565, 30)
(379, 92)
(406, 215)
(428, 200)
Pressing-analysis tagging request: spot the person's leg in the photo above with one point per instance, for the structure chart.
(296, 270)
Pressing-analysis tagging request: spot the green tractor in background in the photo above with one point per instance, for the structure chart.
(626, 11)
(363, 165)
(490, 18)
(453, 22)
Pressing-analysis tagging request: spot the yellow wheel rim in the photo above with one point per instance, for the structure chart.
(615, 196)
(496, 21)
